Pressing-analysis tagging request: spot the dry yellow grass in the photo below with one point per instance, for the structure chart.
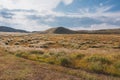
(78, 56)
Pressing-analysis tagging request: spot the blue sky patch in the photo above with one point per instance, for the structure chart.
(73, 14)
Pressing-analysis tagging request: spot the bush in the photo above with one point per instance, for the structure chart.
(17, 43)
(59, 54)
(117, 65)
(100, 59)
(65, 62)
(97, 67)
(6, 43)
(36, 52)
(22, 54)
(79, 56)
(19, 55)
(51, 62)
(33, 57)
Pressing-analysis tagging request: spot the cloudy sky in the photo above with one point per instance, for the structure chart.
(38, 15)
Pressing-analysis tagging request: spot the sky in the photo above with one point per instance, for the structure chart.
(39, 15)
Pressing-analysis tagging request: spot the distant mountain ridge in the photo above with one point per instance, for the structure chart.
(62, 30)
(107, 31)
(8, 29)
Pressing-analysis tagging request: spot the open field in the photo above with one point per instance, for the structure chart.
(59, 56)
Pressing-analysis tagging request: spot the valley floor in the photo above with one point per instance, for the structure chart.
(59, 57)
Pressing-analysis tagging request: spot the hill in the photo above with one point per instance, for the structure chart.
(102, 31)
(107, 31)
(8, 29)
(59, 30)
(62, 30)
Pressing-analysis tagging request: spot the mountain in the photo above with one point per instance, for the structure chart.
(8, 29)
(102, 31)
(107, 31)
(62, 30)
(59, 30)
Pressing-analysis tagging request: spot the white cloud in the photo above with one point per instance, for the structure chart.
(20, 21)
(100, 14)
(103, 26)
(67, 2)
(44, 8)
(96, 12)
(103, 9)
(38, 5)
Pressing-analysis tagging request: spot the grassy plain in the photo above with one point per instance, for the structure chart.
(59, 57)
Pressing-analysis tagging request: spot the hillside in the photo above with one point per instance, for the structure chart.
(62, 30)
(107, 31)
(102, 31)
(58, 30)
(8, 29)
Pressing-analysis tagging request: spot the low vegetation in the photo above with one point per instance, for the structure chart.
(83, 56)
(98, 63)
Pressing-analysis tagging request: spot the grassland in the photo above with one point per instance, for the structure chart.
(59, 57)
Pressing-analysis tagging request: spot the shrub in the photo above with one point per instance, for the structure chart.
(97, 67)
(44, 46)
(33, 57)
(51, 53)
(65, 62)
(6, 43)
(113, 70)
(36, 52)
(17, 43)
(79, 56)
(19, 55)
(116, 56)
(22, 54)
(100, 59)
(59, 54)
(117, 65)
(51, 60)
